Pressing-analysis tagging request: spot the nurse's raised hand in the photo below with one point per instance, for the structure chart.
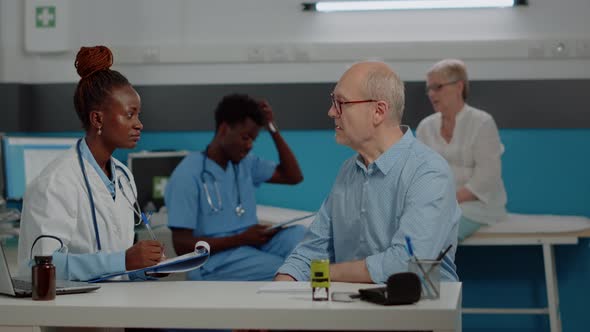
(143, 254)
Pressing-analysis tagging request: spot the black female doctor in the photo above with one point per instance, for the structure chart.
(80, 198)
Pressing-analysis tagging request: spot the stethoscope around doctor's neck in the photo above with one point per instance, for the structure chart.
(217, 208)
(134, 206)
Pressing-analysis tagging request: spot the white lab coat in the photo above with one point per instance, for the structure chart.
(57, 203)
(474, 155)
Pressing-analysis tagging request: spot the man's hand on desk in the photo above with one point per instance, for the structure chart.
(284, 277)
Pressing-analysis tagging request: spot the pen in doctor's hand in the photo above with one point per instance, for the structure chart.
(146, 222)
(149, 216)
(148, 226)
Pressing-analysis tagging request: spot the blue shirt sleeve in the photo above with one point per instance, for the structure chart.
(85, 267)
(262, 170)
(430, 211)
(317, 244)
(182, 197)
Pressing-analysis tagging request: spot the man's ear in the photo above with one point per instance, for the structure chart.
(96, 119)
(223, 129)
(380, 112)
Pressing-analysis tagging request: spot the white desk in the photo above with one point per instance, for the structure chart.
(228, 305)
(546, 231)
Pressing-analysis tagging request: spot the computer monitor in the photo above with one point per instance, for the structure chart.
(25, 157)
(151, 171)
(2, 192)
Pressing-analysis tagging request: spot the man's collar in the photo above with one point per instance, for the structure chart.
(388, 158)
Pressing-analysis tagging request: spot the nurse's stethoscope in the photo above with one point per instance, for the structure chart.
(204, 172)
(134, 206)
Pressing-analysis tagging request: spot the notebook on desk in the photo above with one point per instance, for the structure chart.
(23, 288)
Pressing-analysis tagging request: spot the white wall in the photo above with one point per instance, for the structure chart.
(238, 41)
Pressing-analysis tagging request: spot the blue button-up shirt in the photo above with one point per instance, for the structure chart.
(408, 191)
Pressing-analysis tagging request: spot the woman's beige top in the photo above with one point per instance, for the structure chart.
(474, 154)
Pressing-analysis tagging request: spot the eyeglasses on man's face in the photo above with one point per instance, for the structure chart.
(338, 104)
(439, 86)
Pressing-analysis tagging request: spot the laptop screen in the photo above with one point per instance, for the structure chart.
(6, 286)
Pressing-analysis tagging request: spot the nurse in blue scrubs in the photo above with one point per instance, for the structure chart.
(211, 196)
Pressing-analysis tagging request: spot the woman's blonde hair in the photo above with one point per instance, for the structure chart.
(452, 70)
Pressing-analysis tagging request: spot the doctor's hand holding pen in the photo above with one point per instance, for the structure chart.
(143, 254)
(146, 221)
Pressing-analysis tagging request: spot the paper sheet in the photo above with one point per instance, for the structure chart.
(286, 287)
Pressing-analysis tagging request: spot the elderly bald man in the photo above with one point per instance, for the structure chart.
(393, 187)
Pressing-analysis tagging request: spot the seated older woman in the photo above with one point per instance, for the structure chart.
(468, 139)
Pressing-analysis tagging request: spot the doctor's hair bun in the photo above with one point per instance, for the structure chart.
(90, 60)
(97, 81)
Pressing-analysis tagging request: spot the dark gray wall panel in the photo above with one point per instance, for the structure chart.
(51, 108)
(296, 106)
(514, 104)
(535, 104)
(10, 105)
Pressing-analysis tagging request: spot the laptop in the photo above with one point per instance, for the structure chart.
(23, 288)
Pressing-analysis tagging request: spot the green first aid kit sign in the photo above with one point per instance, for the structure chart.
(159, 186)
(45, 17)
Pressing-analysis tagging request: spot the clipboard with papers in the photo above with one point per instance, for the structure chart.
(184, 263)
(288, 222)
